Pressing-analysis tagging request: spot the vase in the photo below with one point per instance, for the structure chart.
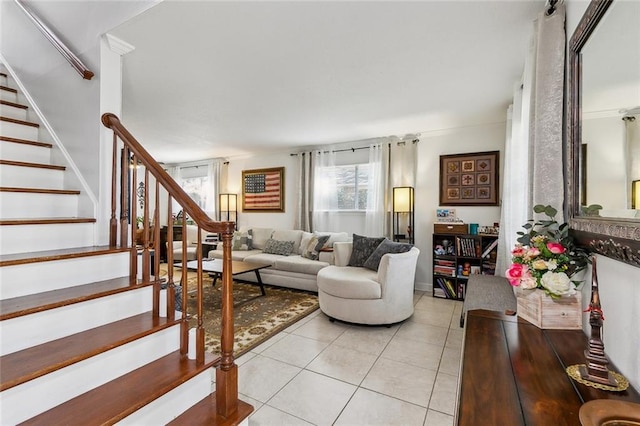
(543, 311)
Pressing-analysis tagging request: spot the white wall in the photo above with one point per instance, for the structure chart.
(619, 285)
(431, 146)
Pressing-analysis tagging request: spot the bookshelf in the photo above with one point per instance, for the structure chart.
(458, 256)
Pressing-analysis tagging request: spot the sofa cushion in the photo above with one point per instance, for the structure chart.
(242, 240)
(385, 247)
(260, 236)
(334, 237)
(349, 282)
(363, 247)
(312, 250)
(294, 235)
(235, 255)
(283, 248)
(262, 257)
(299, 264)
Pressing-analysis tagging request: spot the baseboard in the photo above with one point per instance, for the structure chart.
(421, 286)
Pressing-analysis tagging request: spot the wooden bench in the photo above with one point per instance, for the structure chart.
(488, 292)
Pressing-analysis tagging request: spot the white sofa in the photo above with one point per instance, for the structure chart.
(293, 271)
(359, 295)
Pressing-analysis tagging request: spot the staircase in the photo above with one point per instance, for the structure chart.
(80, 341)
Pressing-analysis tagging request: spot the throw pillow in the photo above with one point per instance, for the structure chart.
(242, 240)
(373, 262)
(283, 248)
(312, 250)
(363, 247)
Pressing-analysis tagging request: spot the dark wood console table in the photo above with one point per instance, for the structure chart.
(513, 373)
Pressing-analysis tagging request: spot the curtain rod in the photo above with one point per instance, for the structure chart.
(295, 154)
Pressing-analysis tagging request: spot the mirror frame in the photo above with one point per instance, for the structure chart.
(612, 237)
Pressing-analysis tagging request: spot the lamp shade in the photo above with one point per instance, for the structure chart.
(403, 199)
(635, 194)
(228, 206)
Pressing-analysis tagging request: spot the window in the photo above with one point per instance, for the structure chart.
(351, 183)
(197, 188)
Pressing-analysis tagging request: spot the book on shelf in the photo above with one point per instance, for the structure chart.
(490, 247)
(445, 270)
(447, 287)
(468, 247)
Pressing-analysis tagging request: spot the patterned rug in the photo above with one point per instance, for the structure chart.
(256, 317)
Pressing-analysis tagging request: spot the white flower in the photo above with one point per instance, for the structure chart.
(551, 264)
(557, 283)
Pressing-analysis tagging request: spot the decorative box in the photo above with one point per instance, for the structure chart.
(541, 310)
(450, 228)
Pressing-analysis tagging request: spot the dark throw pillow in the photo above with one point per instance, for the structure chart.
(373, 262)
(283, 248)
(363, 247)
(312, 250)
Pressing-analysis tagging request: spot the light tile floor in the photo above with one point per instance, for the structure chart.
(321, 373)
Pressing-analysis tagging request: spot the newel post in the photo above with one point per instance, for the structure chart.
(227, 371)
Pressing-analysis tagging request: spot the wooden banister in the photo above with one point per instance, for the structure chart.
(125, 201)
(50, 35)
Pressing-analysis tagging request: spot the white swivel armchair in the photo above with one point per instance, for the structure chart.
(363, 296)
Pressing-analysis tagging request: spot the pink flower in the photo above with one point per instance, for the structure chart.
(555, 248)
(516, 272)
(532, 252)
(518, 251)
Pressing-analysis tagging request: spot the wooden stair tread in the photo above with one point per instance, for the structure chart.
(25, 141)
(58, 254)
(40, 191)
(21, 122)
(204, 413)
(36, 361)
(13, 104)
(35, 165)
(47, 221)
(8, 89)
(25, 305)
(119, 398)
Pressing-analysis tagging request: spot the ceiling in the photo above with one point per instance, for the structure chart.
(214, 79)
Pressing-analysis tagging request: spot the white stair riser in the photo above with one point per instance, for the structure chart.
(14, 205)
(6, 95)
(19, 131)
(55, 388)
(13, 112)
(31, 177)
(27, 238)
(172, 404)
(60, 274)
(23, 152)
(41, 327)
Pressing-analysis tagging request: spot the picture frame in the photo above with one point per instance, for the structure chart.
(470, 179)
(263, 190)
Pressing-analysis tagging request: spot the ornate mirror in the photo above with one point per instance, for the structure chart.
(603, 138)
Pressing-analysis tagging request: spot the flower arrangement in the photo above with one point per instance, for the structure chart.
(546, 256)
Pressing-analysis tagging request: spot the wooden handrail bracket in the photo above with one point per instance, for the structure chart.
(50, 35)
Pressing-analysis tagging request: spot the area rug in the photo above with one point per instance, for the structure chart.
(256, 317)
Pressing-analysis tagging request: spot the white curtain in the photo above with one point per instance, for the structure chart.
(325, 193)
(632, 143)
(176, 173)
(375, 219)
(533, 166)
(214, 174)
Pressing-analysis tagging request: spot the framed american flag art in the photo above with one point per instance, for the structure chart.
(263, 190)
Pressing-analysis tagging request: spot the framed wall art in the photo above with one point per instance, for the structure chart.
(263, 190)
(469, 179)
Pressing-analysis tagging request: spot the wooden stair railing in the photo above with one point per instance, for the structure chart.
(50, 35)
(124, 200)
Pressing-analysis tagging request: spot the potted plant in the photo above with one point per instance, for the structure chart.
(546, 261)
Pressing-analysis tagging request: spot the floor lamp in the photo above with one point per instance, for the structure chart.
(228, 208)
(403, 207)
